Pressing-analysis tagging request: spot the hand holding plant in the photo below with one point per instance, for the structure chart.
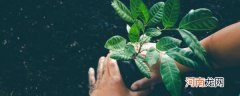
(145, 26)
(108, 74)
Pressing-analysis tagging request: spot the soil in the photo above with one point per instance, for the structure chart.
(47, 46)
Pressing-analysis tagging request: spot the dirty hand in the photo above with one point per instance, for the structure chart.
(109, 81)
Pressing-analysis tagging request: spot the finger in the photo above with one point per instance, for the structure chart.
(143, 53)
(113, 68)
(143, 84)
(100, 68)
(106, 69)
(145, 92)
(91, 78)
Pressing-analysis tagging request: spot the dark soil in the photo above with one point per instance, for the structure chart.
(47, 46)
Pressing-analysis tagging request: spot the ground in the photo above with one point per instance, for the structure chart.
(47, 46)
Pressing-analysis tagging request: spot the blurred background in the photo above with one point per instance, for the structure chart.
(47, 46)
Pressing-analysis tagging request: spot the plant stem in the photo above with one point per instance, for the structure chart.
(141, 44)
(140, 47)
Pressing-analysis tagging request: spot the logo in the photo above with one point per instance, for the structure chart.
(201, 82)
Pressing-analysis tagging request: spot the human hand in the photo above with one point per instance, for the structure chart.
(155, 72)
(109, 81)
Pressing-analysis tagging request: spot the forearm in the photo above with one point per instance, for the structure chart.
(222, 47)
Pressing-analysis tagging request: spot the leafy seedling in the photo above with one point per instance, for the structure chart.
(143, 25)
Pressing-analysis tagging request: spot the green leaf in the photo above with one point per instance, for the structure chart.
(152, 56)
(134, 4)
(171, 13)
(122, 11)
(144, 69)
(156, 13)
(129, 50)
(199, 19)
(144, 11)
(153, 32)
(120, 56)
(116, 43)
(166, 43)
(144, 39)
(126, 54)
(194, 45)
(184, 57)
(134, 33)
(139, 24)
(139, 9)
(170, 75)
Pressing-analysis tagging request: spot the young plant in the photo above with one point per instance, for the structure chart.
(142, 25)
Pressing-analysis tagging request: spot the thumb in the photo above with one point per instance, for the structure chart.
(142, 84)
(144, 92)
(145, 82)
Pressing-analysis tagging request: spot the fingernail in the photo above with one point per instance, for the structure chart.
(102, 58)
(91, 70)
(114, 61)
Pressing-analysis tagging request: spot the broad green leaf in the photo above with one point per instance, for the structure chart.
(152, 56)
(139, 24)
(171, 13)
(199, 19)
(122, 11)
(166, 43)
(144, 11)
(170, 75)
(184, 52)
(125, 54)
(139, 9)
(116, 43)
(144, 39)
(184, 57)
(129, 50)
(134, 33)
(156, 13)
(144, 69)
(120, 55)
(134, 4)
(194, 45)
(153, 32)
